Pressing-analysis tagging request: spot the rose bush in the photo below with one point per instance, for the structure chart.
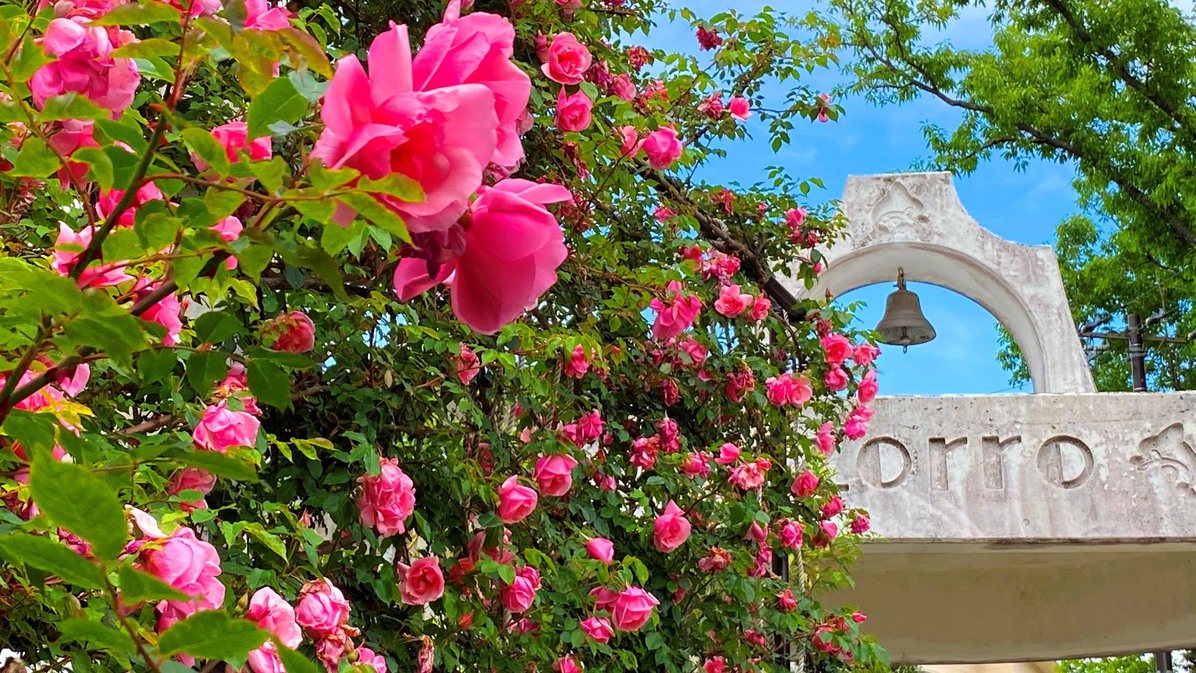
(403, 337)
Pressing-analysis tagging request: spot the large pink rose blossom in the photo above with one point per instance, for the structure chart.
(788, 390)
(835, 379)
(567, 60)
(750, 476)
(322, 609)
(663, 148)
(293, 332)
(567, 663)
(578, 363)
(271, 612)
(791, 534)
(186, 563)
(826, 438)
(367, 657)
(192, 479)
(671, 529)
(601, 549)
(632, 608)
(837, 349)
(864, 354)
(805, 484)
(85, 65)
(515, 502)
(466, 365)
(379, 124)
(598, 629)
(422, 582)
(553, 474)
(573, 111)
(260, 15)
(728, 453)
(731, 302)
(868, 387)
(387, 499)
(677, 315)
(167, 312)
(221, 427)
(520, 594)
(512, 249)
(477, 49)
(741, 108)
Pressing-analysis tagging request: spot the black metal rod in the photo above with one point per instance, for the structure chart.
(1137, 352)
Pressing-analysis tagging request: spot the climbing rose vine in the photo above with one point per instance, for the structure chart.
(408, 335)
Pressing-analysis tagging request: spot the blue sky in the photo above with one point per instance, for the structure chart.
(1019, 206)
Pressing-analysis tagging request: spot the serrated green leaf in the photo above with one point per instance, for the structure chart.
(35, 160)
(269, 383)
(139, 14)
(52, 557)
(278, 102)
(154, 47)
(137, 586)
(71, 106)
(205, 368)
(220, 464)
(376, 213)
(207, 148)
(215, 327)
(96, 634)
(211, 634)
(292, 661)
(80, 502)
(30, 57)
(99, 165)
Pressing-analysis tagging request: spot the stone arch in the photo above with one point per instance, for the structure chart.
(915, 221)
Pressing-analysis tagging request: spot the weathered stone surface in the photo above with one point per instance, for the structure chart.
(915, 221)
(1027, 527)
(1091, 467)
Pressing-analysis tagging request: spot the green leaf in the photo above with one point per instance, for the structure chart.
(376, 213)
(336, 238)
(395, 184)
(34, 431)
(95, 633)
(80, 502)
(30, 57)
(205, 145)
(71, 106)
(154, 365)
(214, 327)
(292, 661)
(52, 557)
(137, 586)
(107, 327)
(322, 263)
(139, 14)
(36, 160)
(269, 383)
(99, 165)
(154, 47)
(205, 368)
(270, 173)
(222, 202)
(211, 634)
(278, 102)
(220, 464)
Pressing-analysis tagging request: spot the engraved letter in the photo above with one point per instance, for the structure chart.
(939, 448)
(873, 462)
(1065, 471)
(992, 449)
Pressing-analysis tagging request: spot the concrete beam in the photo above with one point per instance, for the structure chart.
(1027, 527)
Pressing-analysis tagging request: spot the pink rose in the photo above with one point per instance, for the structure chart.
(553, 474)
(421, 582)
(271, 612)
(832, 507)
(192, 479)
(837, 349)
(466, 365)
(791, 534)
(786, 602)
(868, 387)
(740, 108)
(857, 422)
(598, 629)
(84, 65)
(567, 664)
(512, 249)
(696, 464)
(515, 502)
(632, 608)
(829, 530)
(220, 428)
(601, 549)
(520, 594)
(794, 217)
(714, 665)
(712, 105)
(265, 659)
(167, 312)
(826, 438)
(291, 333)
(106, 204)
(622, 87)
(805, 484)
(835, 379)
(788, 390)
(675, 317)
(671, 529)
(760, 307)
(573, 112)
(708, 39)
(387, 499)
(188, 564)
(731, 302)
(756, 533)
(234, 137)
(695, 350)
(568, 60)
(663, 147)
(367, 657)
(477, 49)
(750, 476)
(69, 246)
(322, 609)
(379, 124)
(727, 453)
(631, 146)
(860, 524)
(865, 353)
(578, 363)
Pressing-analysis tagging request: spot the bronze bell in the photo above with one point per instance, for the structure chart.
(903, 324)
